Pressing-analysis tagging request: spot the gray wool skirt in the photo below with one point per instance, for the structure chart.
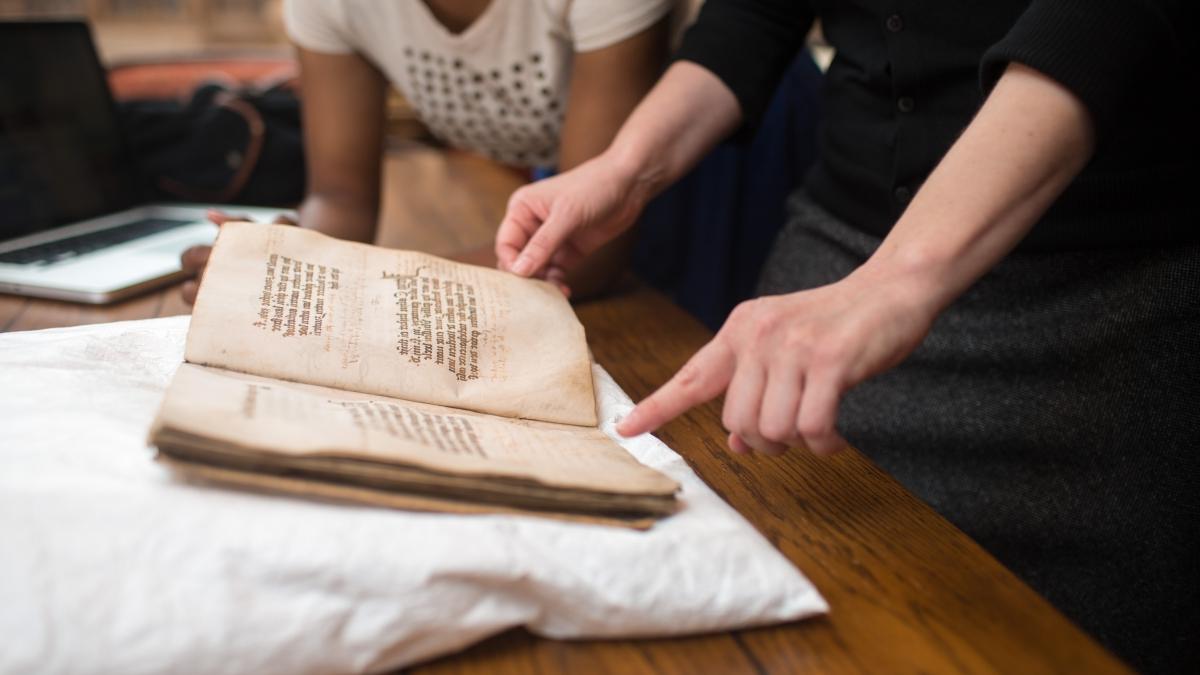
(1053, 414)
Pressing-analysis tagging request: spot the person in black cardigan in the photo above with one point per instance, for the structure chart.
(990, 282)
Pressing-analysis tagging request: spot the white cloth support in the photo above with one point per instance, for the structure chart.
(109, 565)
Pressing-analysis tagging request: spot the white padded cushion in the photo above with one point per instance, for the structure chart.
(110, 565)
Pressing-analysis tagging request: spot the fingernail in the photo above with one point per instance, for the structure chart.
(521, 266)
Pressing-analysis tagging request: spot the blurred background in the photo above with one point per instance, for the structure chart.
(164, 49)
(134, 30)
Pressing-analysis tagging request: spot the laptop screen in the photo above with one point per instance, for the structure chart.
(62, 158)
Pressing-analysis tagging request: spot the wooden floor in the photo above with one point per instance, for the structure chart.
(469, 194)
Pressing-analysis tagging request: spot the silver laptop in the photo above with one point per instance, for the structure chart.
(72, 225)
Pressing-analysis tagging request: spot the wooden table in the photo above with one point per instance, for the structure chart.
(908, 591)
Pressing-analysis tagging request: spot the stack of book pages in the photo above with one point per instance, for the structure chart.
(348, 372)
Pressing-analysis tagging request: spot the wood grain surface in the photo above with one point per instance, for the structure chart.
(909, 592)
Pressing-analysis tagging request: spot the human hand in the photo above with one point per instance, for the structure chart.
(195, 258)
(552, 225)
(785, 361)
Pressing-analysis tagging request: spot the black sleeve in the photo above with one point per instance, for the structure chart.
(748, 44)
(1101, 50)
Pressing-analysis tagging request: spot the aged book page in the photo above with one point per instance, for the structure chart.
(236, 420)
(293, 304)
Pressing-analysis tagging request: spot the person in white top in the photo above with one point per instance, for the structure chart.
(530, 83)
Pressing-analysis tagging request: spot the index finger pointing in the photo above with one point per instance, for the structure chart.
(702, 378)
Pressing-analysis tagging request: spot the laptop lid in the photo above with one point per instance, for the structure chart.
(62, 155)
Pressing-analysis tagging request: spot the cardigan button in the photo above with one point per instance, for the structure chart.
(894, 23)
(905, 104)
(903, 195)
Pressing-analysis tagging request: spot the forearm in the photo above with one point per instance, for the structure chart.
(606, 86)
(343, 97)
(1029, 140)
(785, 361)
(688, 112)
(350, 217)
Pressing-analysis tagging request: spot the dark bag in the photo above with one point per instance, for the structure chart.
(222, 146)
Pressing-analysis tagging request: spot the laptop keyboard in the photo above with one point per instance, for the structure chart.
(62, 249)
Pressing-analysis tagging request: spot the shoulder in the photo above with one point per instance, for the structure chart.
(596, 24)
(318, 25)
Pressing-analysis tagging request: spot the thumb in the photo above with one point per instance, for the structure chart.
(544, 243)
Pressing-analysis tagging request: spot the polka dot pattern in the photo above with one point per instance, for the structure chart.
(511, 112)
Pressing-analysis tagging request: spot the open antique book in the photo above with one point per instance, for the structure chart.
(349, 372)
